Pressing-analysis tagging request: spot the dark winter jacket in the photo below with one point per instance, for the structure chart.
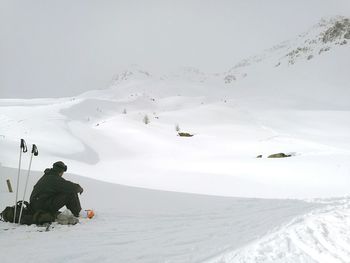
(50, 185)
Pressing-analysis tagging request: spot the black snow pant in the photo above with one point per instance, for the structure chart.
(55, 203)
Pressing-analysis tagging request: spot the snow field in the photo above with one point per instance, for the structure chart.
(293, 99)
(140, 225)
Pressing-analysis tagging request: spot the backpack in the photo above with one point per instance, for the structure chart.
(29, 217)
(27, 214)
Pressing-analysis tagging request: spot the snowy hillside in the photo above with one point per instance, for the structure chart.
(292, 99)
(289, 99)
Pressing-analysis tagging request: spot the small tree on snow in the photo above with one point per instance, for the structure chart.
(146, 119)
(124, 111)
(177, 127)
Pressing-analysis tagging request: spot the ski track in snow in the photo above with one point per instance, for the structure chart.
(321, 236)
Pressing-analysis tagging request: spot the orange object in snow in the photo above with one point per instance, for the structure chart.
(88, 213)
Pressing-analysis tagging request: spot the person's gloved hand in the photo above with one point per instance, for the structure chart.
(80, 190)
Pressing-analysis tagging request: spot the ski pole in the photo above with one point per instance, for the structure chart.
(23, 148)
(35, 153)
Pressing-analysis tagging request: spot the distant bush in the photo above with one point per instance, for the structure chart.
(146, 120)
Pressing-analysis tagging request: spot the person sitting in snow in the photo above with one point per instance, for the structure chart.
(52, 192)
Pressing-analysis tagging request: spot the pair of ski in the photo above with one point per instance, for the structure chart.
(23, 149)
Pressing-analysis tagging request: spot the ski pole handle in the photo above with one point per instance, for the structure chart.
(35, 153)
(35, 150)
(23, 146)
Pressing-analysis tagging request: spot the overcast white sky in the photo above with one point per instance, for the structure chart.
(62, 48)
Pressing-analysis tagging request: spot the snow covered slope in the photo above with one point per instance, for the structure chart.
(144, 226)
(292, 99)
(318, 236)
(139, 225)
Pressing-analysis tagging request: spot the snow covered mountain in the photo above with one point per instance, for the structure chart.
(293, 98)
(289, 99)
(327, 35)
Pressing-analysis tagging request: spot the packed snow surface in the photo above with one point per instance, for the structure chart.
(139, 225)
(321, 235)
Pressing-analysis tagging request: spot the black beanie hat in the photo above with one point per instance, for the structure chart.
(59, 167)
